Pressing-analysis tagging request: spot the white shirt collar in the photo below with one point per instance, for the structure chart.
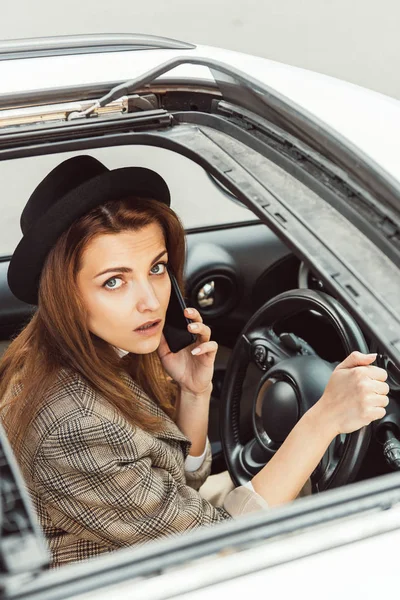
(121, 352)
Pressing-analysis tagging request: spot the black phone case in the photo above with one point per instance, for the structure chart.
(175, 328)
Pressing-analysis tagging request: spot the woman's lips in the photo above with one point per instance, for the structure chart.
(148, 329)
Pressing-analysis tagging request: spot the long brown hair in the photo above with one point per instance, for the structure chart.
(57, 336)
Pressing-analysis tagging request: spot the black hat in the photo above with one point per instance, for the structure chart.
(69, 191)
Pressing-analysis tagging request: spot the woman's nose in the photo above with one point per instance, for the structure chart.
(147, 299)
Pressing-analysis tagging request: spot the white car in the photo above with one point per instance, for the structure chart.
(288, 183)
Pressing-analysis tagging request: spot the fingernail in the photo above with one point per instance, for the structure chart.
(373, 354)
(190, 311)
(193, 326)
(196, 351)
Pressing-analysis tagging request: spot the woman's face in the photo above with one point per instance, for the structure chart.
(125, 287)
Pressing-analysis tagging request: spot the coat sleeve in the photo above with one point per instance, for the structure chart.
(96, 483)
(195, 479)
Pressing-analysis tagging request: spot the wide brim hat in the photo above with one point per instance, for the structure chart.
(69, 191)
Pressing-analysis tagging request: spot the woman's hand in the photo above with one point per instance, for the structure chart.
(355, 396)
(192, 368)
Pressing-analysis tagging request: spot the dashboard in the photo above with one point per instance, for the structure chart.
(241, 269)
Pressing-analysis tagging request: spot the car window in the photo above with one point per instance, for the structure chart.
(196, 197)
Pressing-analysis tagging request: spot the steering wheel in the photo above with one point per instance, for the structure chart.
(291, 379)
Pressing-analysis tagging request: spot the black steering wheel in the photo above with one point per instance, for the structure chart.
(291, 379)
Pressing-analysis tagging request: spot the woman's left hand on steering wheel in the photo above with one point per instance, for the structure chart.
(193, 367)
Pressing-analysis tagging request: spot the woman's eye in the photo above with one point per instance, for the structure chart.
(158, 269)
(112, 284)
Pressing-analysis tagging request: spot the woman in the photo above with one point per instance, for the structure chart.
(110, 427)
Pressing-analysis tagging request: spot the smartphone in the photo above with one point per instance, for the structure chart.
(175, 328)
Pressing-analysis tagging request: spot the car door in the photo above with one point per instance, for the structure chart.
(299, 196)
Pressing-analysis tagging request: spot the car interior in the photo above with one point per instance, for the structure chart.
(235, 265)
(266, 194)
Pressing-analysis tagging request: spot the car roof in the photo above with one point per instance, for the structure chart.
(367, 119)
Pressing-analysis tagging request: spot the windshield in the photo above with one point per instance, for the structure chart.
(196, 198)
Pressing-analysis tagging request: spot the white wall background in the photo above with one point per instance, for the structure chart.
(355, 40)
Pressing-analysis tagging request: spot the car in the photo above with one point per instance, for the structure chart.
(288, 184)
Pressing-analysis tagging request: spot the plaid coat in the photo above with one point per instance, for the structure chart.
(99, 484)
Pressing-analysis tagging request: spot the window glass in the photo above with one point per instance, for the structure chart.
(197, 199)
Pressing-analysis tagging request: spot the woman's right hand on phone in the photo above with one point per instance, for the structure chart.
(355, 396)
